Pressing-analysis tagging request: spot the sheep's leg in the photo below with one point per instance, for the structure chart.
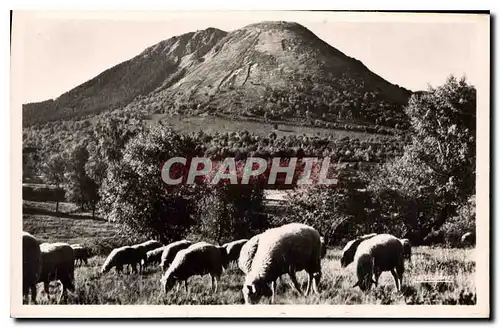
(400, 270)
(273, 290)
(216, 280)
(186, 286)
(315, 282)
(293, 277)
(33, 292)
(309, 278)
(396, 278)
(46, 289)
(178, 287)
(377, 274)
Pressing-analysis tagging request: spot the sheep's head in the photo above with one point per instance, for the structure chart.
(105, 268)
(366, 283)
(253, 292)
(348, 253)
(168, 281)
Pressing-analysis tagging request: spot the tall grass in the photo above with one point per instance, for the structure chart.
(421, 284)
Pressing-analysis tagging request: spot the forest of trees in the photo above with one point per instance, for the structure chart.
(409, 185)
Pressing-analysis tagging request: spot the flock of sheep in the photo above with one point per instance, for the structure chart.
(263, 259)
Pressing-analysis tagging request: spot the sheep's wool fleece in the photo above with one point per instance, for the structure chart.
(32, 260)
(385, 248)
(115, 257)
(279, 248)
(247, 253)
(230, 247)
(156, 252)
(198, 258)
(47, 248)
(349, 251)
(171, 250)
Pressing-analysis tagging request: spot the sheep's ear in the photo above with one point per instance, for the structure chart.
(356, 284)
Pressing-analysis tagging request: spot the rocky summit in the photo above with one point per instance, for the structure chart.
(275, 70)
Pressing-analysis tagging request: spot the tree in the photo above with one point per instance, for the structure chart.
(444, 124)
(229, 212)
(337, 211)
(134, 194)
(80, 187)
(437, 169)
(105, 147)
(52, 170)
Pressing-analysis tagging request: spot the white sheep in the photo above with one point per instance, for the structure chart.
(249, 249)
(32, 264)
(233, 251)
(350, 249)
(121, 256)
(58, 263)
(198, 259)
(171, 250)
(81, 253)
(383, 252)
(144, 248)
(247, 254)
(287, 249)
(153, 256)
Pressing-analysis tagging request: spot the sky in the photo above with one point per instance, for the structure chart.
(62, 50)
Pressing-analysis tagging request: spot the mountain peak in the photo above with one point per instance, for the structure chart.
(275, 25)
(276, 67)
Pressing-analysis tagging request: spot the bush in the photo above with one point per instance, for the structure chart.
(337, 212)
(43, 193)
(230, 212)
(464, 222)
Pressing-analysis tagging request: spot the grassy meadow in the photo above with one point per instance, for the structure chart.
(433, 276)
(212, 124)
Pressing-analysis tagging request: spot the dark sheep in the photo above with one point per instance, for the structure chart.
(32, 264)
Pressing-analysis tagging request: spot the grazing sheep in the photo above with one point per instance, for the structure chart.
(171, 250)
(122, 256)
(350, 249)
(287, 249)
(82, 254)
(233, 251)
(58, 263)
(468, 239)
(32, 264)
(406, 248)
(198, 259)
(383, 252)
(144, 248)
(153, 257)
(247, 254)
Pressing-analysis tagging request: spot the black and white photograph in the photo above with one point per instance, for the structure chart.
(250, 164)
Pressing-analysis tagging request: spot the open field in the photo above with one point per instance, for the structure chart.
(434, 275)
(211, 124)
